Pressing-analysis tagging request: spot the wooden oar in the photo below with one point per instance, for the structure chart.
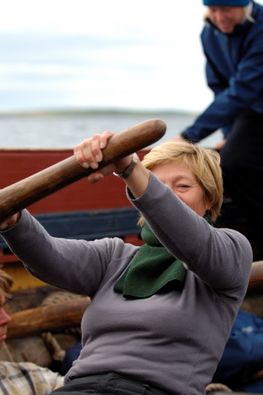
(31, 189)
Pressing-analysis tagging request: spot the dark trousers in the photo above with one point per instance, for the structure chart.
(103, 384)
(242, 165)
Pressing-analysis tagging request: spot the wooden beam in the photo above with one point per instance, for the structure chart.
(47, 318)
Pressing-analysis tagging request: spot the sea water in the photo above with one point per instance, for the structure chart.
(64, 129)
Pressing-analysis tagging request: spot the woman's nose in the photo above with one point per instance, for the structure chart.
(4, 317)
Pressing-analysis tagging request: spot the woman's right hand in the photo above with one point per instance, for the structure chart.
(89, 153)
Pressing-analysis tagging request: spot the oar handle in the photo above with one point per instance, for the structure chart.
(31, 189)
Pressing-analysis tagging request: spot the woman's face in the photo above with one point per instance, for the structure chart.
(4, 320)
(178, 177)
(226, 18)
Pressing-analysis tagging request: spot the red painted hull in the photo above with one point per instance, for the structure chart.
(16, 165)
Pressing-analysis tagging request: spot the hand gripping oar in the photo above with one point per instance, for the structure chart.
(31, 189)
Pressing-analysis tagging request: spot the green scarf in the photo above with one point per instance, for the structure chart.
(153, 269)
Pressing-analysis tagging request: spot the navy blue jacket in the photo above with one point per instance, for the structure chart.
(234, 71)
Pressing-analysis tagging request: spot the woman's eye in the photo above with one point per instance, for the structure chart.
(182, 187)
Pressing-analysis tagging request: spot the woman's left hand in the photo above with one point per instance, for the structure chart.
(89, 153)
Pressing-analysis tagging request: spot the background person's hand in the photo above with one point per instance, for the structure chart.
(219, 145)
(178, 138)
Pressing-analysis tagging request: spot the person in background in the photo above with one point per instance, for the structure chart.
(241, 365)
(160, 314)
(21, 378)
(232, 41)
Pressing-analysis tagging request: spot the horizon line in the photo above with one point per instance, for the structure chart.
(37, 111)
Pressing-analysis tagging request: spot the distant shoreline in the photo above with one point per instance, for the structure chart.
(93, 111)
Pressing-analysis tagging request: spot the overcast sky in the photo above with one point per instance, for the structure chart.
(142, 54)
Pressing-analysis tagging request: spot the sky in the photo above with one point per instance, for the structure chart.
(140, 54)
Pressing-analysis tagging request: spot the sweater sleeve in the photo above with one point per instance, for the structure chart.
(75, 265)
(220, 257)
(215, 83)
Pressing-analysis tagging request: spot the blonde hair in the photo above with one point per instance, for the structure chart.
(203, 162)
(6, 283)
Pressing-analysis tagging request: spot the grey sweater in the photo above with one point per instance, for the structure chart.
(172, 341)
